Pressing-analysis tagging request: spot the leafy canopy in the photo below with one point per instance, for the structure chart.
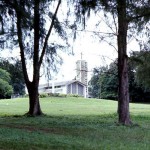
(5, 88)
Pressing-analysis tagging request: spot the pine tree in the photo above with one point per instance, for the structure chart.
(126, 12)
(28, 29)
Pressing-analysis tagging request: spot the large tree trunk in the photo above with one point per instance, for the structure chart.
(123, 95)
(34, 104)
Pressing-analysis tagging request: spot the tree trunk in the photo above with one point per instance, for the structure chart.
(123, 95)
(34, 105)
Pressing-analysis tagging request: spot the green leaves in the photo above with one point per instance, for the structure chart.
(4, 75)
(5, 88)
(143, 68)
(104, 83)
(14, 75)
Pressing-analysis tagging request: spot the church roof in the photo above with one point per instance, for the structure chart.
(62, 83)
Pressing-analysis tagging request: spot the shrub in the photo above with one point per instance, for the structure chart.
(53, 94)
(74, 95)
(57, 95)
(42, 95)
(62, 95)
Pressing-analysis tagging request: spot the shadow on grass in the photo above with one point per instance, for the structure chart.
(62, 125)
(69, 121)
(72, 132)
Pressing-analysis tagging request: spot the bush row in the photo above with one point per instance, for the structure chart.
(43, 95)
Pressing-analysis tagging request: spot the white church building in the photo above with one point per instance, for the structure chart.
(77, 86)
(66, 87)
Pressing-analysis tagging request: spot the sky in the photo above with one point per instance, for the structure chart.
(96, 53)
(92, 52)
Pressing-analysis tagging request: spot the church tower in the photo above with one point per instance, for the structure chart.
(82, 73)
(81, 68)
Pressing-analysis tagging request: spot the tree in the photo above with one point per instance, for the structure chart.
(107, 81)
(123, 96)
(125, 12)
(111, 82)
(16, 75)
(94, 86)
(33, 38)
(142, 67)
(117, 8)
(95, 82)
(138, 92)
(5, 88)
(104, 82)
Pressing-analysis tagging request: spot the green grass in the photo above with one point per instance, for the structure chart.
(72, 124)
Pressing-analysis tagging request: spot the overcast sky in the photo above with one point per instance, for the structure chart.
(96, 53)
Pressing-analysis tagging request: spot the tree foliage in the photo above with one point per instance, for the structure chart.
(104, 82)
(142, 69)
(5, 88)
(31, 24)
(16, 75)
(124, 14)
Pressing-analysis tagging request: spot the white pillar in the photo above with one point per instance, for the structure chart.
(71, 89)
(80, 72)
(77, 91)
(84, 91)
(53, 87)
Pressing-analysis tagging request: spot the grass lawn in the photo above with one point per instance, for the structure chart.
(72, 124)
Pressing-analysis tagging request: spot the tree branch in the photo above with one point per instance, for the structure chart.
(48, 34)
(139, 16)
(20, 39)
(115, 23)
(36, 41)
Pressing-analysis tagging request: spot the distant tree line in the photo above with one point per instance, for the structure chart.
(11, 78)
(104, 82)
(5, 88)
